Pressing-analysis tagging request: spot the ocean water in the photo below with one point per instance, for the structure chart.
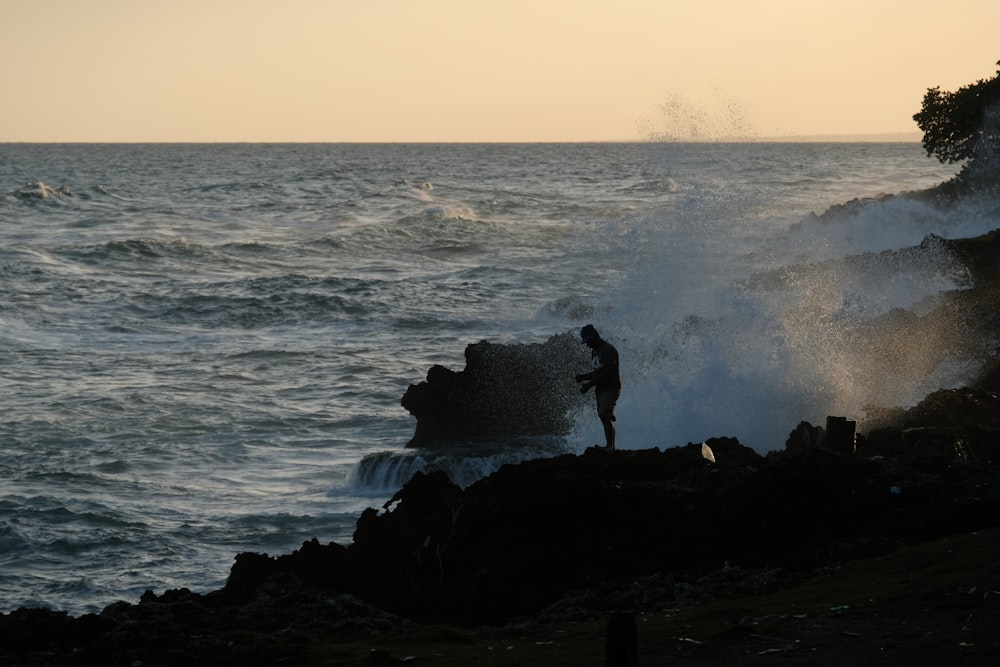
(203, 347)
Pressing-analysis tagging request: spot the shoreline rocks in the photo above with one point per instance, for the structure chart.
(565, 538)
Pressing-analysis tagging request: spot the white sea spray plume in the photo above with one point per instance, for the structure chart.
(762, 345)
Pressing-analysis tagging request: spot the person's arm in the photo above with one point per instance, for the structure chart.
(603, 370)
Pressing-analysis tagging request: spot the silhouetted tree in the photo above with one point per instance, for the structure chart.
(965, 125)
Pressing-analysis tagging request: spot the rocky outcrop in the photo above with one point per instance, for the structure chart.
(571, 534)
(529, 534)
(503, 391)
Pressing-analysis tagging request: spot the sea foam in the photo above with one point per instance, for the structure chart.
(819, 319)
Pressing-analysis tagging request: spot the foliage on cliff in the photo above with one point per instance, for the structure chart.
(964, 125)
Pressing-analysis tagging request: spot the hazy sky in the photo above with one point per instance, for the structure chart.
(471, 70)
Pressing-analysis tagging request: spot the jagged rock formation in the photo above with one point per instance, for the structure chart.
(504, 390)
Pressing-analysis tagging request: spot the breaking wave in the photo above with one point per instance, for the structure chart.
(841, 314)
(465, 463)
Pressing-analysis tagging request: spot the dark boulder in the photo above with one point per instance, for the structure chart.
(504, 390)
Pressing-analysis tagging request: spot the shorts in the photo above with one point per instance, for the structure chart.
(606, 401)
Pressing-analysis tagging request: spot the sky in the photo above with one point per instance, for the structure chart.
(480, 71)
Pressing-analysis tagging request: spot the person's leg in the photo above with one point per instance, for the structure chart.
(609, 431)
(606, 411)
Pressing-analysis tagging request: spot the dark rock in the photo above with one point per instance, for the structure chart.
(620, 648)
(37, 628)
(956, 408)
(841, 435)
(504, 390)
(805, 436)
(249, 571)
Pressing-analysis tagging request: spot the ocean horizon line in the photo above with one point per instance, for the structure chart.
(874, 138)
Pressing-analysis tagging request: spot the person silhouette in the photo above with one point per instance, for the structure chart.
(604, 378)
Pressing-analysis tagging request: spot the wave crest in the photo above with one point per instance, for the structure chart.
(465, 463)
(38, 192)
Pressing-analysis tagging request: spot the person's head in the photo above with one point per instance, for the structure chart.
(589, 336)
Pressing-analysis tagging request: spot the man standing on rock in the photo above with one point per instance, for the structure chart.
(604, 377)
